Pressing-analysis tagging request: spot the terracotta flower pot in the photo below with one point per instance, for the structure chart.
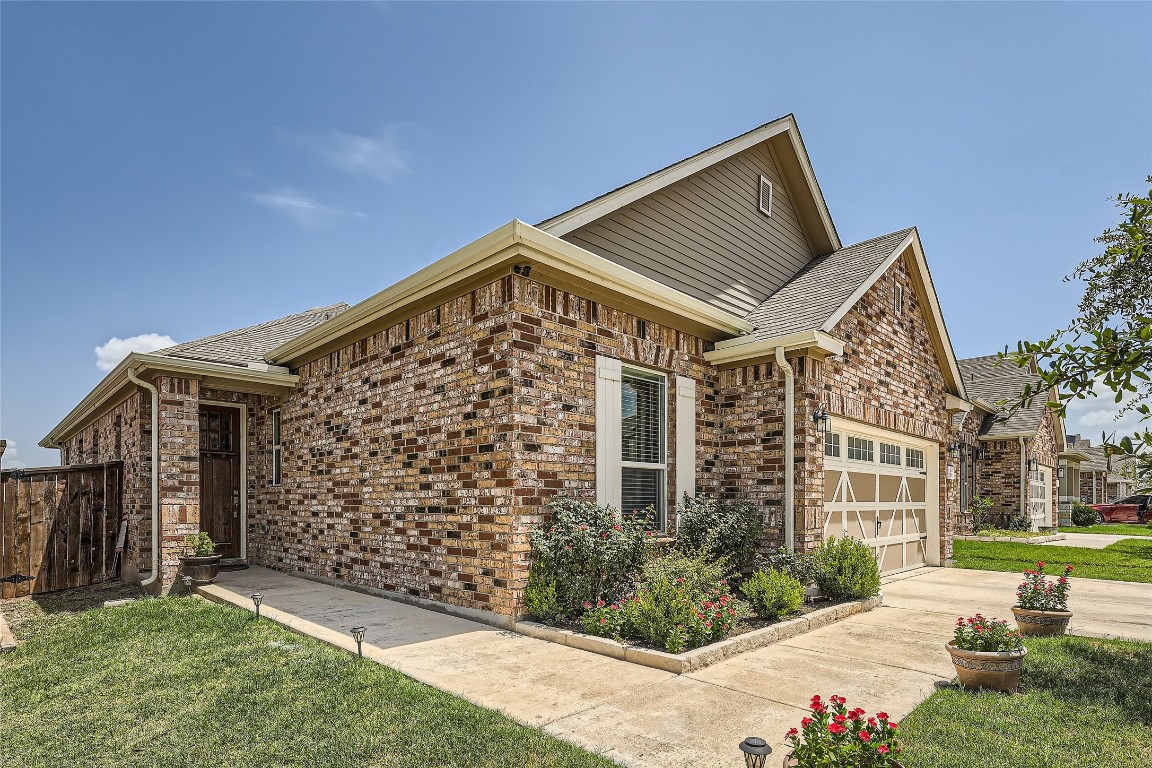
(202, 569)
(1041, 623)
(994, 670)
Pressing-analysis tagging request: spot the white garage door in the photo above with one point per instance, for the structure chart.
(1040, 497)
(883, 488)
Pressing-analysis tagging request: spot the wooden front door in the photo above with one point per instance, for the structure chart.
(220, 477)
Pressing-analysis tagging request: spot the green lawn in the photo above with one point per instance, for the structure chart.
(1083, 702)
(1114, 529)
(179, 682)
(1126, 560)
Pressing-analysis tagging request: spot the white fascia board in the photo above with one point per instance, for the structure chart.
(511, 241)
(1011, 436)
(600, 207)
(1076, 456)
(140, 363)
(986, 406)
(735, 350)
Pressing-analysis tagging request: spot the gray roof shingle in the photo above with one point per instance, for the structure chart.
(251, 344)
(810, 298)
(992, 383)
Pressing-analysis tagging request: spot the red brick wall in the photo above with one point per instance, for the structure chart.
(179, 423)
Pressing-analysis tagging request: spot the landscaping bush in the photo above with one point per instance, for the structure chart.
(718, 528)
(683, 602)
(589, 553)
(540, 594)
(1020, 523)
(799, 565)
(773, 593)
(981, 511)
(846, 568)
(1083, 516)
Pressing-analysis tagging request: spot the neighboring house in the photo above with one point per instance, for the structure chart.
(1101, 481)
(682, 334)
(1013, 458)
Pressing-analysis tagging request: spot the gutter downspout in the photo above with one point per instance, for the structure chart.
(789, 449)
(155, 477)
(1024, 479)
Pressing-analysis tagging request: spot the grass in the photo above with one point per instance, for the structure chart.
(1126, 560)
(1083, 702)
(178, 682)
(1000, 533)
(1113, 529)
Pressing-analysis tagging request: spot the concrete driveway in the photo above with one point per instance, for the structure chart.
(888, 659)
(1090, 540)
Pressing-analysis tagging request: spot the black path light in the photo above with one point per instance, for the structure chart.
(257, 598)
(358, 635)
(756, 752)
(187, 584)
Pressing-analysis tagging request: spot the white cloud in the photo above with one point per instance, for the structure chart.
(376, 157)
(110, 353)
(303, 210)
(1094, 415)
(11, 457)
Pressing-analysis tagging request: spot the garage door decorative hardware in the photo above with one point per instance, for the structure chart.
(15, 578)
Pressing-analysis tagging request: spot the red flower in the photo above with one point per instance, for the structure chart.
(1041, 564)
(1067, 569)
(865, 736)
(836, 728)
(819, 709)
(892, 726)
(882, 749)
(872, 722)
(792, 731)
(840, 719)
(807, 721)
(882, 715)
(815, 699)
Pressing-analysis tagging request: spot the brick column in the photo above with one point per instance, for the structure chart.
(179, 422)
(809, 445)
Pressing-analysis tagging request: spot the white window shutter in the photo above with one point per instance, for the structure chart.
(685, 438)
(608, 432)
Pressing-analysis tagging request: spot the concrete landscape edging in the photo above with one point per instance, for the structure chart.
(699, 658)
(1014, 539)
(7, 640)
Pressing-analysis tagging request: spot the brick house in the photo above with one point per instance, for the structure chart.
(1018, 460)
(682, 334)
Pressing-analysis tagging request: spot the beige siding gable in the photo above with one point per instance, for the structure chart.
(705, 235)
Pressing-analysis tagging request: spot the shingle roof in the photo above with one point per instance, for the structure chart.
(251, 344)
(992, 383)
(810, 298)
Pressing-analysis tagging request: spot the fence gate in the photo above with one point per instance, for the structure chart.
(58, 527)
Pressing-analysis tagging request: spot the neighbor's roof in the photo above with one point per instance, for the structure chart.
(822, 287)
(252, 344)
(985, 380)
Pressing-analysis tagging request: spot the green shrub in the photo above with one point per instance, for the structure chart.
(199, 545)
(718, 528)
(846, 568)
(1083, 515)
(773, 594)
(683, 602)
(1020, 523)
(799, 565)
(589, 552)
(981, 511)
(540, 594)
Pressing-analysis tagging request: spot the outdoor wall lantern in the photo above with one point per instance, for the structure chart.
(358, 635)
(756, 752)
(257, 598)
(954, 448)
(980, 453)
(821, 420)
(1060, 473)
(1033, 465)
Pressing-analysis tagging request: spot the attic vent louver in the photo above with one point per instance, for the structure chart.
(765, 196)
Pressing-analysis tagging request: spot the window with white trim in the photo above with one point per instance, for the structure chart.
(859, 448)
(832, 444)
(277, 453)
(643, 445)
(914, 458)
(633, 428)
(889, 454)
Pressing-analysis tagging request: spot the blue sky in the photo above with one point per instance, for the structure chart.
(180, 169)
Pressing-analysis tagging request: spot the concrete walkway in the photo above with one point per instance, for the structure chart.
(1090, 540)
(888, 659)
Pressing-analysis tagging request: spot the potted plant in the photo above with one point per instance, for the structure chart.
(1041, 608)
(987, 654)
(200, 560)
(837, 736)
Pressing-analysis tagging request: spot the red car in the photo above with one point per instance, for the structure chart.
(1133, 509)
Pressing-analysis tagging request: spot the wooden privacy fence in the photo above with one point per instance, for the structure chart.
(58, 527)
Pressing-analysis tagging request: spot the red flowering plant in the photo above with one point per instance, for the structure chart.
(837, 737)
(980, 634)
(1036, 593)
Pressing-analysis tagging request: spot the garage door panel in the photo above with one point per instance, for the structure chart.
(885, 503)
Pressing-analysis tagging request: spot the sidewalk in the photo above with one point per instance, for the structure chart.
(887, 659)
